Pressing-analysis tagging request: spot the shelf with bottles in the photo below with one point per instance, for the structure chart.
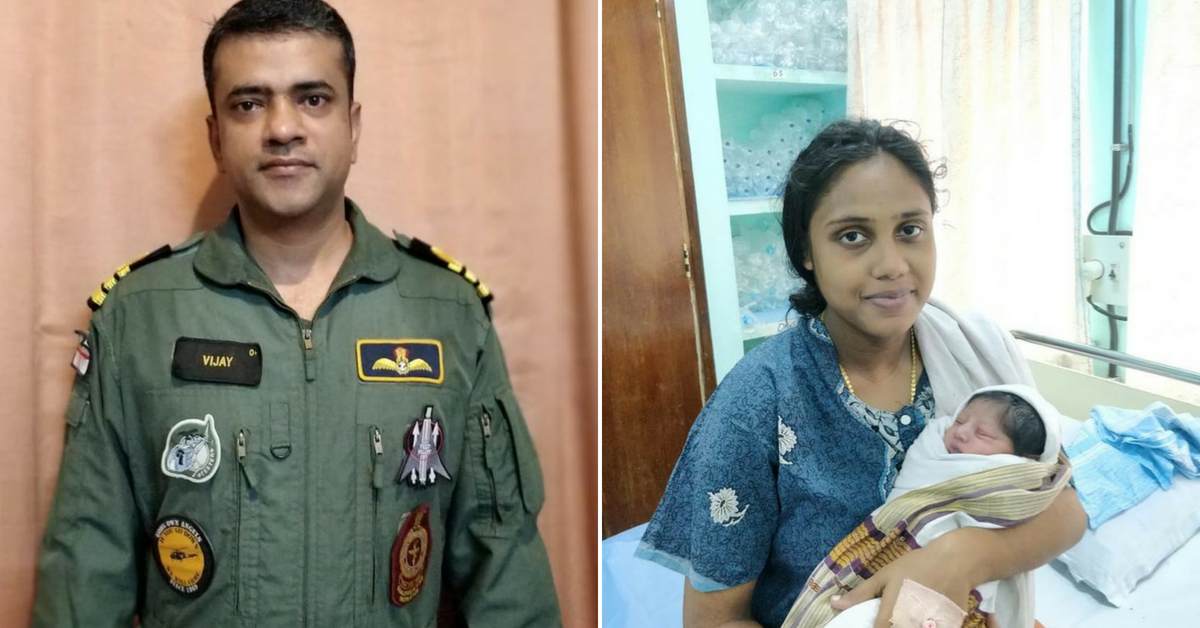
(763, 275)
(760, 79)
(782, 35)
(761, 137)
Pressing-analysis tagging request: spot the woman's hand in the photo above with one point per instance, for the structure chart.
(943, 566)
(961, 560)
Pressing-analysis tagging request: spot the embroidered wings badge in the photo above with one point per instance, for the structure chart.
(401, 364)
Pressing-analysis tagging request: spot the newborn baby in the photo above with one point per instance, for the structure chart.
(997, 422)
(995, 427)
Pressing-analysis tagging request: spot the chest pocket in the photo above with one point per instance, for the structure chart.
(510, 491)
(385, 415)
(195, 468)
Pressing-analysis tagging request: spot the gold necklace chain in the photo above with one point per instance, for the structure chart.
(912, 349)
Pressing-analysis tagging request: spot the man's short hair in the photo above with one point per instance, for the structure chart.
(269, 17)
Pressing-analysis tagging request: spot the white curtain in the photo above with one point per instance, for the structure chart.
(1163, 295)
(989, 88)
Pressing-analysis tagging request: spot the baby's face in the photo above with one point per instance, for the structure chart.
(976, 430)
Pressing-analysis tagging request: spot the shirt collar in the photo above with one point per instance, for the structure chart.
(223, 257)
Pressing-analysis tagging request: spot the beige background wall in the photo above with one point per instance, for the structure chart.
(479, 135)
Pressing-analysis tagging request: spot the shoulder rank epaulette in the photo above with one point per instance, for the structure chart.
(98, 297)
(434, 255)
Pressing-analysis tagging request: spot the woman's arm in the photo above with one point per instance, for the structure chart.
(727, 608)
(961, 560)
(1010, 551)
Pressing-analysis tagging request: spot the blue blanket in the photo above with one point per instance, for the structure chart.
(1122, 456)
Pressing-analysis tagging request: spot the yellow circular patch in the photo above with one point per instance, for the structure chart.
(184, 555)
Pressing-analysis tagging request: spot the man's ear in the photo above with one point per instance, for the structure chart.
(214, 141)
(355, 129)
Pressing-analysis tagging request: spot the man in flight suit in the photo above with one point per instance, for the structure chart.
(294, 420)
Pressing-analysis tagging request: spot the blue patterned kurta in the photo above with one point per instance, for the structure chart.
(780, 465)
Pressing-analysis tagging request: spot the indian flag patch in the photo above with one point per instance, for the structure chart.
(83, 354)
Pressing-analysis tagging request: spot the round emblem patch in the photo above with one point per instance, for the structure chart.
(193, 450)
(184, 555)
(410, 556)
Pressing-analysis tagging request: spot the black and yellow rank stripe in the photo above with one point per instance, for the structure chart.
(433, 254)
(97, 299)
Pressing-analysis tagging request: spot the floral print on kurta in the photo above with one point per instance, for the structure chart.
(779, 466)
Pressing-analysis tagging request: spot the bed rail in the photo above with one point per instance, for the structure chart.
(1113, 357)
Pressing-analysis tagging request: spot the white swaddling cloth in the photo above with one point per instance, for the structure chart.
(963, 351)
(928, 463)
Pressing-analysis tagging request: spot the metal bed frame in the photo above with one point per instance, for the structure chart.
(1112, 357)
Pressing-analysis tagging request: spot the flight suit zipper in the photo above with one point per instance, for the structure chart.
(310, 357)
(485, 421)
(310, 375)
(249, 484)
(376, 486)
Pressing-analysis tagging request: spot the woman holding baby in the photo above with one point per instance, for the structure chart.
(805, 436)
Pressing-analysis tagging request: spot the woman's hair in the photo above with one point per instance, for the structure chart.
(818, 166)
(1020, 422)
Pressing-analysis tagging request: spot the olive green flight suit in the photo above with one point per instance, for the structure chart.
(305, 504)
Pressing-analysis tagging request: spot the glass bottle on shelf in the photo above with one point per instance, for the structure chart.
(800, 34)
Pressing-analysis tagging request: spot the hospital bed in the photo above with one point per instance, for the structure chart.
(637, 593)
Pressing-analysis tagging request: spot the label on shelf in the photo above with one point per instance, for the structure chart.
(747, 206)
(768, 328)
(769, 323)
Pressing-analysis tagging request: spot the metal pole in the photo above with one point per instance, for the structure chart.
(1110, 356)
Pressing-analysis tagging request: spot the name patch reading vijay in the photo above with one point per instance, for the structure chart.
(217, 361)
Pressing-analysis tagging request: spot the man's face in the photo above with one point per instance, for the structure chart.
(284, 130)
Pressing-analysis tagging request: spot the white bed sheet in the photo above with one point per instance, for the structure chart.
(637, 593)
(1169, 598)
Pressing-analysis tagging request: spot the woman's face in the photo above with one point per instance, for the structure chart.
(872, 247)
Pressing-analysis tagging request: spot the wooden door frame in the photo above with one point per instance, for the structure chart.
(673, 335)
(669, 35)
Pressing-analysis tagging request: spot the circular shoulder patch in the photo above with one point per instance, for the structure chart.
(184, 555)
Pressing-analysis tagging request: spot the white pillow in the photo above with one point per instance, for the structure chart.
(1070, 429)
(1115, 557)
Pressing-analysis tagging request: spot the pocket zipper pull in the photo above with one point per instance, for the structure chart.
(486, 420)
(377, 471)
(241, 456)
